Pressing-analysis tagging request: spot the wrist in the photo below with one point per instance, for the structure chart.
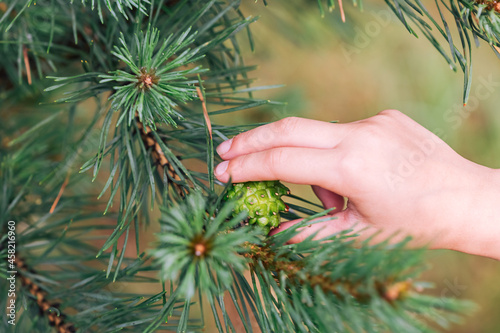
(478, 231)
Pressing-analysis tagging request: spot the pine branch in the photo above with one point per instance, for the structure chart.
(59, 245)
(329, 289)
(148, 60)
(195, 241)
(121, 5)
(150, 142)
(49, 309)
(294, 271)
(302, 287)
(474, 20)
(489, 5)
(152, 91)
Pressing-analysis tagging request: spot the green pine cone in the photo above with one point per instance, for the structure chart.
(262, 200)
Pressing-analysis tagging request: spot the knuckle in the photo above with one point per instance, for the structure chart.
(390, 113)
(351, 165)
(234, 167)
(287, 125)
(275, 158)
(256, 138)
(239, 140)
(371, 131)
(299, 238)
(247, 141)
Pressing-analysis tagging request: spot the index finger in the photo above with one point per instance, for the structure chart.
(295, 165)
(288, 132)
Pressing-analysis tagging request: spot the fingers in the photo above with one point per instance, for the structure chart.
(346, 220)
(342, 221)
(288, 132)
(294, 165)
(329, 199)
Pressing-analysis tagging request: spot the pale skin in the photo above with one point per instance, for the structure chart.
(399, 178)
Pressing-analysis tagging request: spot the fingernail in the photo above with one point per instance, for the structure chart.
(221, 168)
(224, 147)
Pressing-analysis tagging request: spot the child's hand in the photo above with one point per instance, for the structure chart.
(398, 177)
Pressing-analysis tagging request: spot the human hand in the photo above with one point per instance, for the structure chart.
(398, 177)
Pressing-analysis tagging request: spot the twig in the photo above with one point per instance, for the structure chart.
(388, 290)
(56, 318)
(150, 142)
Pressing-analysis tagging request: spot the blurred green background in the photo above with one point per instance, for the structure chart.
(353, 70)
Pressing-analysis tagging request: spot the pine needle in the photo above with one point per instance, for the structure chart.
(341, 8)
(27, 64)
(205, 112)
(59, 195)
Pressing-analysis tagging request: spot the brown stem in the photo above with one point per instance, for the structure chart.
(490, 4)
(159, 157)
(58, 320)
(389, 290)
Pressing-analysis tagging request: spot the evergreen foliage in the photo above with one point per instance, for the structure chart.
(123, 93)
(474, 20)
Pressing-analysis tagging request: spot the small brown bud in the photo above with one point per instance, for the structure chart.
(199, 249)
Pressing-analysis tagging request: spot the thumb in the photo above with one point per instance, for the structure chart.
(329, 199)
(340, 221)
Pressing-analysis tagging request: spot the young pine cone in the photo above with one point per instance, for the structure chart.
(262, 200)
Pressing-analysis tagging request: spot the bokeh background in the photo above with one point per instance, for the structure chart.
(353, 70)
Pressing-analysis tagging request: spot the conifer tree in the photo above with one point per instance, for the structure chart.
(107, 131)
